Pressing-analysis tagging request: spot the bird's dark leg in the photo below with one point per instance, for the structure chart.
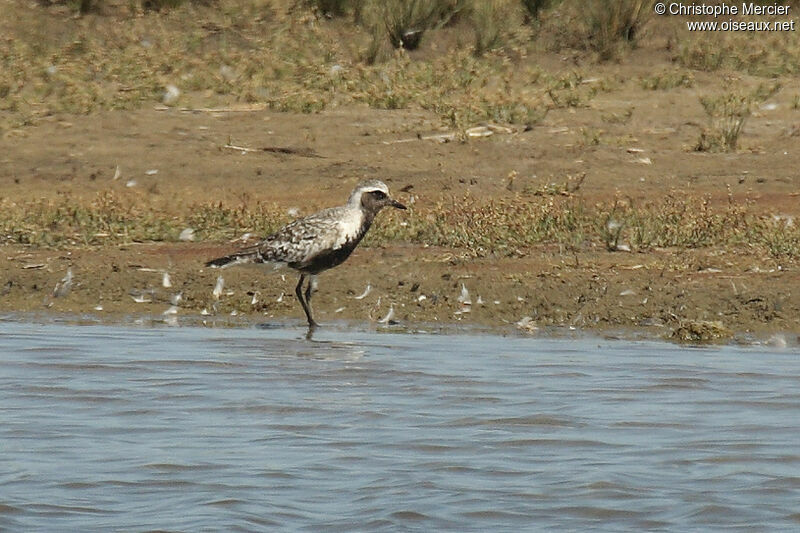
(309, 289)
(299, 293)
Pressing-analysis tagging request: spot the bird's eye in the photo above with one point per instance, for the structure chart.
(380, 195)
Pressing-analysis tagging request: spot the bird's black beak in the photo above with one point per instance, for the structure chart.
(398, 205)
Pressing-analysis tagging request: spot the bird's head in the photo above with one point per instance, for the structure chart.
(373, 195)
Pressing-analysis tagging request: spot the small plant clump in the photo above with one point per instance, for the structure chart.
(331, 8)
(615, 22)
(701, 332)
(727, 115)
(491, 20)
(406, 21)
(534, 8)
(668, 79)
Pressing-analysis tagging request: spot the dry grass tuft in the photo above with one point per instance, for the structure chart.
(668, 79)
(613, 23)
(727, 115)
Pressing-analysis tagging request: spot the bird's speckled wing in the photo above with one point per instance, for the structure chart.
(308, 237)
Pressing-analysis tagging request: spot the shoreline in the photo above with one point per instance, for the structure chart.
(297, 328)
(726, 299)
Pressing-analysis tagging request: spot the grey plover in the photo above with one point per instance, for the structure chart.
(318, 242)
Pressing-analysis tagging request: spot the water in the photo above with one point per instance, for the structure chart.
(189, 429)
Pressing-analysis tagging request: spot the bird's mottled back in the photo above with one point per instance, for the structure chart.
(302, 240)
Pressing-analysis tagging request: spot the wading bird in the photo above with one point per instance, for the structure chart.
(318, 242)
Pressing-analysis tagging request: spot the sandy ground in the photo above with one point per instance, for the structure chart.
(668, 292)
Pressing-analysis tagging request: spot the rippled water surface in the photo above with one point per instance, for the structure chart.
(188, 429)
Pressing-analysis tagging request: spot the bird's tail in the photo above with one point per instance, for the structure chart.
(238, 258)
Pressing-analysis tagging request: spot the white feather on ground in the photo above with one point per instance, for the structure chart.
(389, 315)
(217, 292)
(63, 287)
(464, 298)
(363, 294)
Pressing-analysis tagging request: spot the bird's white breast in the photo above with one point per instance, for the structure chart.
(350, 225)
